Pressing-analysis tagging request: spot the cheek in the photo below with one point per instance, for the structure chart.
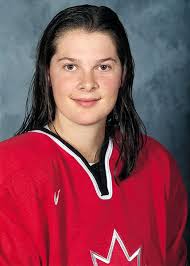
(61, 86)
(112, 86)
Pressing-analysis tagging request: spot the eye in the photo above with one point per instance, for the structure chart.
(105, 67)
(69, 67)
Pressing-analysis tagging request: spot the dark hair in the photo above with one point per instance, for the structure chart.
(123, 118)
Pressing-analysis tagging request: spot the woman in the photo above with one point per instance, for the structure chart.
(80, 182)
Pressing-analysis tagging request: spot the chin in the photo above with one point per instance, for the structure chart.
(88, 122)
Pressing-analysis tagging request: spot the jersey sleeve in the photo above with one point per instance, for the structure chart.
(177, 209)
(16, 246)
(23, 223)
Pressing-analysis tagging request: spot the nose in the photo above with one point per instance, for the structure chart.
(88, 81)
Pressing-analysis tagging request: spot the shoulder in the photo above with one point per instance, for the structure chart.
(158, 161)
(30, 138)
(155, 159)
(26, 144)
(151, 152)
(24, 168)
(154, 150)
(29, 143)
(23, 153)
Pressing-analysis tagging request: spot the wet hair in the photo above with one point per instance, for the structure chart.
(40, 104)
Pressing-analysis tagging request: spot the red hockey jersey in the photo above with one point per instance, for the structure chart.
(52, 212)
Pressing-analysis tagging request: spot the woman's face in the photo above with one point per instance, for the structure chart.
(85, 74)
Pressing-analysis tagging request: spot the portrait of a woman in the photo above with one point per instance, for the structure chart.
(81, 182)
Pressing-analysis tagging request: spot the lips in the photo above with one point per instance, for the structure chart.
(86, 102)
(86, 99)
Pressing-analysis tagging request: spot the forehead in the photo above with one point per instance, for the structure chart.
(81, 42)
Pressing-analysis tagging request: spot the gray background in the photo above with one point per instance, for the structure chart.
(160, 40)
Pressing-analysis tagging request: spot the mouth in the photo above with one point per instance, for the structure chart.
(86, 102)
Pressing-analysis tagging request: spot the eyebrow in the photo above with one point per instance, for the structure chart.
(77, 60)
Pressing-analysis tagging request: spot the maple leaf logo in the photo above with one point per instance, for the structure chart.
(107, 260)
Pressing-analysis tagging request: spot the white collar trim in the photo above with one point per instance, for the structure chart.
(80, 161)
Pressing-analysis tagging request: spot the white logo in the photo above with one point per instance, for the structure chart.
(56, 197)
(107, 260)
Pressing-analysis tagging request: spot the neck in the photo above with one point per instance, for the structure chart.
(87, 139)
